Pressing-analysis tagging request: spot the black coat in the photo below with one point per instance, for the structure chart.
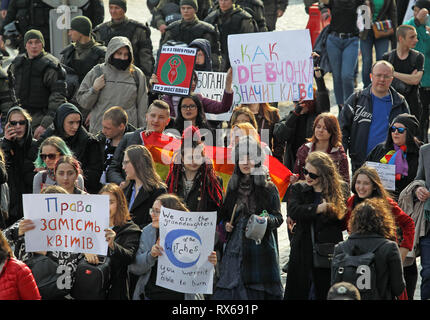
(144, 200)
(126, 244)
(84, 145)
(19, 158)
(302, 209)
(388, 263)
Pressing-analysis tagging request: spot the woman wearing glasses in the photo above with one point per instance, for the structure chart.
(401, 148)
(50, 151)
(191, 113)
(317, 204)
(20, 150)
(144, 184)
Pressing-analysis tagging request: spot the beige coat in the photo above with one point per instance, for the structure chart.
(120, 90)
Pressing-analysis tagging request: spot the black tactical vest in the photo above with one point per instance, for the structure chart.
(28, 78)
(186, 33)
(83, 66)
(126, 29)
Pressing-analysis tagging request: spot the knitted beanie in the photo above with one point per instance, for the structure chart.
(34, 34)
(119, 3)
(192, 3)
(82, 25)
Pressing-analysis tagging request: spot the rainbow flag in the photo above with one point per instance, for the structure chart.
(162, 148)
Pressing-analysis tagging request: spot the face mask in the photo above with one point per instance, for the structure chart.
(120, 64)
(200, 67)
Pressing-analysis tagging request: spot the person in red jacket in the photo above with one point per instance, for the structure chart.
(16, 280)
(367, 184)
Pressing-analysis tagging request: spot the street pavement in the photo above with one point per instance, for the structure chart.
(294, 18)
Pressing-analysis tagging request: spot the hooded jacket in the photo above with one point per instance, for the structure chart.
(84, 145)
(355, 120)
(122, 89)
(19, 156)
(205, 46)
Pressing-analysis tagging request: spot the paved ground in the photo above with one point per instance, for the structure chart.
(294, 18)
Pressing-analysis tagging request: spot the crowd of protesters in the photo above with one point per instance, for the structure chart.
(87, 136)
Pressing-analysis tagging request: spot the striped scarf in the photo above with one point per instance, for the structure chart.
(398, 158)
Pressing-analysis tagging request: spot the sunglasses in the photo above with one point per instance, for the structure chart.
(21, 123)
(399, 130)
(50, 156)
(310, 174)
(189, 107)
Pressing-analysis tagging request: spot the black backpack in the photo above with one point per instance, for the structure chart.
(348, 266)
(45, 273)
(92, 282)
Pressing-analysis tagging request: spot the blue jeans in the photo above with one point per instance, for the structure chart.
(425, 264)
(366, 47)
(343, 57)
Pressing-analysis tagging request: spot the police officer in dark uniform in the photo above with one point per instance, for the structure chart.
(82, 54)
(274, 9)
(190, 28)
(230, 19)
(139, 35)
(34, 14)
(38, 82)
(255, 8)
(28, 14)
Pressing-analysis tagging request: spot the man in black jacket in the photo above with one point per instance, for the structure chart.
(370, 111)
(115, 125)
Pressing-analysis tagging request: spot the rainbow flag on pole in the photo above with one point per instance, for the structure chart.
(162, 148)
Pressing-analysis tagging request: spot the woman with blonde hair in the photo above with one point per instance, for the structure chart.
(50, 150)
(246, 129)
(317, 206)
(144, 183)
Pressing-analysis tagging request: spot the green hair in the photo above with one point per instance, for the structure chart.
(56, 142)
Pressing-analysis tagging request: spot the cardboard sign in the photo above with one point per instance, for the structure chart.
(211, 85)
(271, 66)
(386, 172)
(187, 239)
(175, 70)
(67, 222)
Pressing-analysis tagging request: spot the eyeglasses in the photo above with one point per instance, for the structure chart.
(399, 130)
(189, 107)
(154, 212)
(50, 156)
(310, 174)
(21, 123)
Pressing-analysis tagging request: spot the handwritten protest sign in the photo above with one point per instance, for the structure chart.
(187, 239)
(175, 70)
(67, 222)
(271, 66)
(386, 172)
(211, 85)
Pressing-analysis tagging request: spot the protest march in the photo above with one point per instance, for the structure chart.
(131, 170)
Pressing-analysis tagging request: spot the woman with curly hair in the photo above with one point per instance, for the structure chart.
(318, 203)
(373, 228)
(366, 184)
(50, 150)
